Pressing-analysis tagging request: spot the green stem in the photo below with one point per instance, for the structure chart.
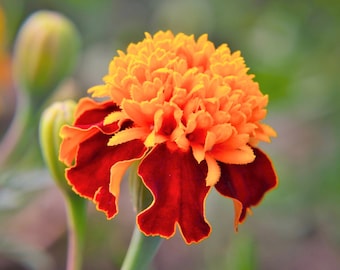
(141, 251)
(16, 130)
(142, 248)
(76, 211)
(19, 144)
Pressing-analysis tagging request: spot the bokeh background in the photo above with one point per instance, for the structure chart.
(293, 49)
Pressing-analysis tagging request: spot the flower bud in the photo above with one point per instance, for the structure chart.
(52, 119)
(46, 51)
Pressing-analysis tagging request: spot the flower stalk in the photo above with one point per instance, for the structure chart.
(14, 133)
(142, 248)
(76, 216)
(141, 251)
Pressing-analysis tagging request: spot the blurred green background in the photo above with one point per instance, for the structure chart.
(293, 49)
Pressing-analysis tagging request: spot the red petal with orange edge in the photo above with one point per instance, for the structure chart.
(106, 202)
(90, 177)
(89, 120)
(177, 183)
(91, 113)
(247, 183)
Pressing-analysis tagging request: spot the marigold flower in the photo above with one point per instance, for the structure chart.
(191, 115)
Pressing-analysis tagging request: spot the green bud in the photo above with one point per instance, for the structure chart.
(52, 119)
(46, 50)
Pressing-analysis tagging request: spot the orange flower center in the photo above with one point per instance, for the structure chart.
(179, 90)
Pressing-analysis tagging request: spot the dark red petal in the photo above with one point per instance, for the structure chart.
(177, 183)
(91, 113)
(89, 120)
(106, 202)
(90, 176)
(247, 183)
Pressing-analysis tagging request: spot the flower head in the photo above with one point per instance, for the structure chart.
(191, 115)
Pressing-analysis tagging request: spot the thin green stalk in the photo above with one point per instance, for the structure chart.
(15, 131)
(76, 212)
(19, 144)
(141, 251)
(142, 248)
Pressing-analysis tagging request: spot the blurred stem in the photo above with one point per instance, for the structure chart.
(76, 211)
(16, 129)
(141, 251)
